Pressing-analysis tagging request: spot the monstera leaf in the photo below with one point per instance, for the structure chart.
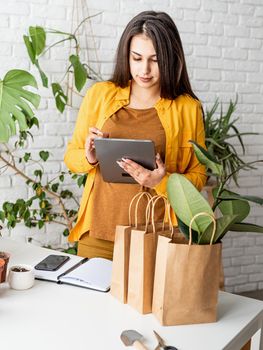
(15, 102)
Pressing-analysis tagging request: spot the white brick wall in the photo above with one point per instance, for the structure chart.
(223, 46)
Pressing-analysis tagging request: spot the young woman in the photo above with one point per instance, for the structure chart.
(148, 97)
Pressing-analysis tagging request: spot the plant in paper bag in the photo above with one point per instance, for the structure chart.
(187, 201)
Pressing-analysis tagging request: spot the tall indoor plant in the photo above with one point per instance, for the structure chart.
(50, 200)
(220, 130)
(187, 202)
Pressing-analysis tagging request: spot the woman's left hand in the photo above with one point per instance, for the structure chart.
(144, 177)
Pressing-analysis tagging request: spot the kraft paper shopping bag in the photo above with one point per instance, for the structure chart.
(186, 281)
(121, 252)
(142, 260)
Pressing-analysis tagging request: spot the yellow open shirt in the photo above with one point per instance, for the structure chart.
(181, 119)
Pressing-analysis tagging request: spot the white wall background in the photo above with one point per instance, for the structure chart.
(223, 46)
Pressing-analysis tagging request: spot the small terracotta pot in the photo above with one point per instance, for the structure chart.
(2, 266)
(5, 256)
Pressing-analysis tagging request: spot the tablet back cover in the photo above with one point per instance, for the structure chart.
(108, 151)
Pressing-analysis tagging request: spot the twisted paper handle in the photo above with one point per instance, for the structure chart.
(153, 202)
(193, 219)
(140, 195)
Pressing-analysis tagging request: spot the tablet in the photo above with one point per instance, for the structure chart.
(108, 151)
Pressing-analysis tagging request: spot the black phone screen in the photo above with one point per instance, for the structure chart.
(52, 262)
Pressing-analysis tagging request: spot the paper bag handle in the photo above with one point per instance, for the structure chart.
(167, 211)
(170, 219)
(203, 213)
(148, 210)
(140, 195)
(153, 202)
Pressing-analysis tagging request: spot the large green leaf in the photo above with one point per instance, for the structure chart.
(207, 159)
(223, 225)
(232, 205)
(243, 198)
(80, 72)
(246, 227)
(30, 50)
(187, 201)
(38, 39)
(35, 44)
(15, 102)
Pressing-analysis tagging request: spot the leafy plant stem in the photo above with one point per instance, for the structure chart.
(55, 178)
(66, 73)
(51, 193)
(71, 37)
(217, 200)
(84, 20)
(55, 221)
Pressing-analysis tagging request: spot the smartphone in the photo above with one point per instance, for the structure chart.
(52, 262)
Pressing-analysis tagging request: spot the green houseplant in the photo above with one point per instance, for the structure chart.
(37, 47)
(50, 200)
(187, 202)
(220, 129)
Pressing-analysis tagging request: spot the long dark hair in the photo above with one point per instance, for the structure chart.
(161, 29)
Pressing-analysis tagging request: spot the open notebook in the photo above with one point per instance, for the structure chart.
(92, 273)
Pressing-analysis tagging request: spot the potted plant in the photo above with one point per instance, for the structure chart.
(21, 277)
(187, 202)
(187, 273)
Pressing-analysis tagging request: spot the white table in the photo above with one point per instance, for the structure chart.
(51, 317)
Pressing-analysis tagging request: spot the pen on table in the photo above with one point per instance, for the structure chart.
(72, 268)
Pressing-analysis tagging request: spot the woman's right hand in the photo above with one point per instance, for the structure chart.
(90, 152)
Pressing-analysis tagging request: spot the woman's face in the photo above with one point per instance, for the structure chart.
(143, 62)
